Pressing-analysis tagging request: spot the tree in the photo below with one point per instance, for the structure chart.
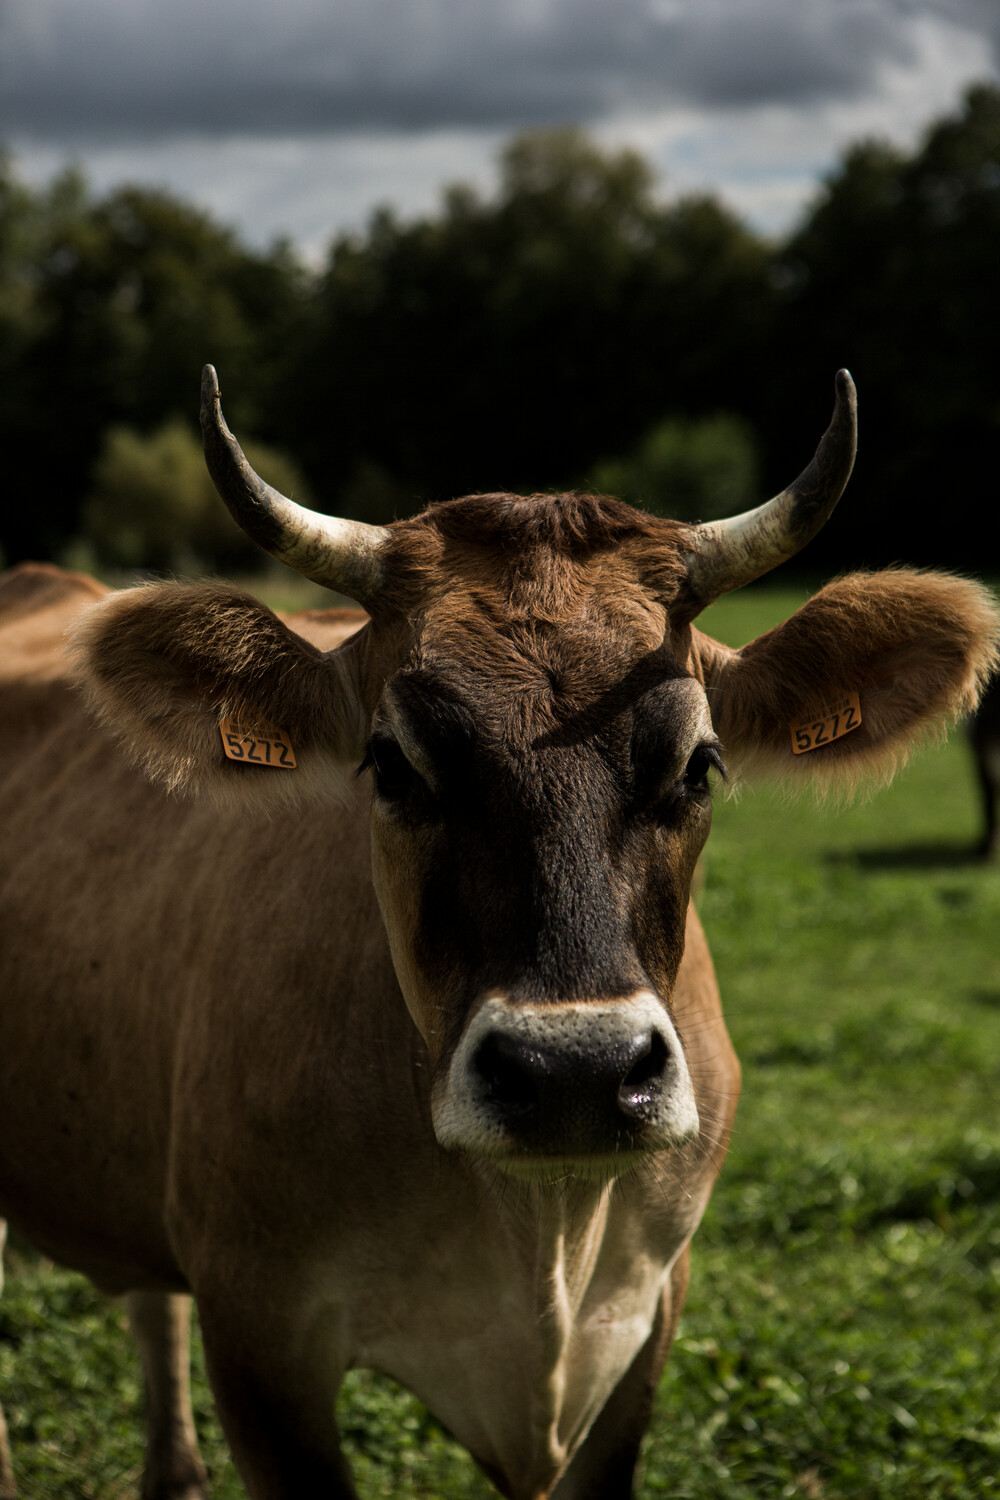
(517, 341)
(689, 469)
(894, 272)
(512, 343)
(121, 303)
(153, 506)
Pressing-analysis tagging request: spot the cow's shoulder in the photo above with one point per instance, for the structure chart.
(38, 601)
(33, 587)
(326, 628)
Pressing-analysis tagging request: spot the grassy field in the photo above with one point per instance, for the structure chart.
(841, 1339)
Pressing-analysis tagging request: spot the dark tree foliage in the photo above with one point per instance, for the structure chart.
(511, 343)
(521, 341)
(108, 311)
(896, 273)
(526, 340)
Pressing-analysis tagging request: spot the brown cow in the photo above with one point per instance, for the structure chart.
(456, 1120)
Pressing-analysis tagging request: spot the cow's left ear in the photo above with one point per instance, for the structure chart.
(163, 665)
(843, 690)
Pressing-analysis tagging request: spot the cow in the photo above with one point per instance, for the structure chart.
(984, 738)
(409, 1055)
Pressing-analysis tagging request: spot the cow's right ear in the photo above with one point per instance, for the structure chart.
(161, 666)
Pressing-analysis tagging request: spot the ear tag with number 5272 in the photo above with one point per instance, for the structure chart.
(826, 725)
(257, 747)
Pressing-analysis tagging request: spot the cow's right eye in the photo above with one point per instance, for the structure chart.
(394, 776)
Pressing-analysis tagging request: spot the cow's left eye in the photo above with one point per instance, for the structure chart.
(394, 776)
(706, 758)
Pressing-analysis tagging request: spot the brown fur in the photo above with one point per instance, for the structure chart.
(917, 647)
(531, 546)
(240, 1101)
(163, 664)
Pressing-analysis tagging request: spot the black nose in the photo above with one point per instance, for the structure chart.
(567, 1095)
(647, 1061)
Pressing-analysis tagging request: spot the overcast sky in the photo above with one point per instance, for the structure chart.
(297, 117)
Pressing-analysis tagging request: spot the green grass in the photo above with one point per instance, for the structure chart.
(841, 1339)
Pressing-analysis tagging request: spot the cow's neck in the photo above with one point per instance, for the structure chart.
(563, 1243)
(570, 1230)
(512, 1310)
(549, 1291)
(567, 1227)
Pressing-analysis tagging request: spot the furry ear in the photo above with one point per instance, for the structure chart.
(162, 665)
(916, 648)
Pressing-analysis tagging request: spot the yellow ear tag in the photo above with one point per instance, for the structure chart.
(257, 747)
(828, 724)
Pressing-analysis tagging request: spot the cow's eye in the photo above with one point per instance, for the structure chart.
(394, 776)
(706, 758)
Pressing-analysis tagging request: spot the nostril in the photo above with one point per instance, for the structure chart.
(648, 1067)
(505, 1066)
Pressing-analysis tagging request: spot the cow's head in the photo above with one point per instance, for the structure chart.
(540, 722)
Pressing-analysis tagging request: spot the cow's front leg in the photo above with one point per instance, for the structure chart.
(8, 1490)
(161, 1324)
(275, 1370)
(604, 1467)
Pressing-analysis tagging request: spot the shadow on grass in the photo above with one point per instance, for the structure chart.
(909, 856)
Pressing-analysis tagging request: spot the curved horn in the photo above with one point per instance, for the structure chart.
(727, 554)
(342, 555)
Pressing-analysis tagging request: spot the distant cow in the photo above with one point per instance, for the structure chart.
(410, 1055)
(984, 737)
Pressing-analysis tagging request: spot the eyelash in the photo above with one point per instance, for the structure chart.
(706, 758)
(711, 758)
(394, 774)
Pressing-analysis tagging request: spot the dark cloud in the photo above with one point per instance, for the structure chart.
(88, 69)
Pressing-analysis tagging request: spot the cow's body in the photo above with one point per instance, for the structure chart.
(161, 1149)
(427, 1070)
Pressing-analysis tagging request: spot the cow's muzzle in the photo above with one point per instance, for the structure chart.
(567, 1080)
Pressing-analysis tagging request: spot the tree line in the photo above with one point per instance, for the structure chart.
(570, 329)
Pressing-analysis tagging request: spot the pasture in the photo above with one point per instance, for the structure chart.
(841, 1338)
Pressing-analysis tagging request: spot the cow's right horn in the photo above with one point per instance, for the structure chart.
(727, 554)
(342, 555)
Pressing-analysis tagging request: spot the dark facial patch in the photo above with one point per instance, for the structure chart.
(547, 875)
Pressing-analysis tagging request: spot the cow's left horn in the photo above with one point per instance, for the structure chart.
(726, 554)
(342, 555)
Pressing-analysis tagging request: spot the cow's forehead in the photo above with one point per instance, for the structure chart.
(481, 675)
(543, 557)
(542, 611)
(562, 611)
